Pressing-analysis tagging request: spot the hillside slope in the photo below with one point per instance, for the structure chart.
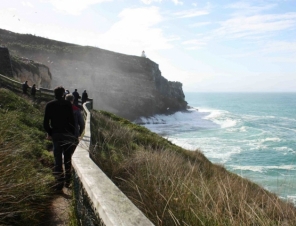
(129, 86)
(25, 165)
(174, 186)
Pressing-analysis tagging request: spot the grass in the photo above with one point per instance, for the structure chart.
(174, 186)
(25, 163)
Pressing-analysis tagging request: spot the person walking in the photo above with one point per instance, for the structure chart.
(33, 91)
(76, 97)
(59, 124)
(84, 97)
(79, 128)
(25, 87)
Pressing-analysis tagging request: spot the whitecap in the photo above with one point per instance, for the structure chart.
(273, 139)
(228, 123)
(248, 168)
(292, 198)
(262, 169)
(284, 148)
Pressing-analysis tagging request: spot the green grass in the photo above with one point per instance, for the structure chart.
(25, 163)
(174, 186)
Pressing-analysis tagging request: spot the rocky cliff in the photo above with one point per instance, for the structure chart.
(129, 86)
(5, 62)
(27, 70)
(23, 69)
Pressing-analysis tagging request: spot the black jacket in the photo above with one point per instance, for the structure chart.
(58, 117)
(84, 96)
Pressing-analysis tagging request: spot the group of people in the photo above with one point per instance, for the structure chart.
(25, 87)
(64, 124)
(76, 95)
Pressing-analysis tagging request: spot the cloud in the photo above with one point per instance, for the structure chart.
(191, 13)
(195, 44)
(200, 24)
(244, 8)
(29, 4)
(148, 2)
(74, 7)
(177, 2)
(136, 31)
(249, 26)
(280, 46)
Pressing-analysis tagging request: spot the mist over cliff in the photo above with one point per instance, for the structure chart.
(129, 86)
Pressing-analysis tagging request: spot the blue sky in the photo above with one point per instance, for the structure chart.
(209, 46)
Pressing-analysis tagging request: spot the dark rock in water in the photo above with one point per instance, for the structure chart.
(129, 86)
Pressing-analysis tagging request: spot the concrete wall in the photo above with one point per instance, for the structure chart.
(104, 200)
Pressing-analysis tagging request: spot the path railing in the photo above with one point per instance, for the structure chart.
(41, 93)
(91, 185)
(98, 201)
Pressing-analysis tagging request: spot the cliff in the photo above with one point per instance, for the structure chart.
(129, 86)
(27, 70)
(22, 69)
(5, 62)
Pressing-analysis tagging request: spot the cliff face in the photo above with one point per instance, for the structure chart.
(27, 70)
(5, 62)
(22, 69)
(128, 86)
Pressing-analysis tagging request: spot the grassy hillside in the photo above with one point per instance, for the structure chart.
(25, 163)
(173, 186)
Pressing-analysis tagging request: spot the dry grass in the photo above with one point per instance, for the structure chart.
(25, 177)
(173, 186)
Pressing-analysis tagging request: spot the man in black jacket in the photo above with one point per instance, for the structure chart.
(59, 125)
(84, 97)
(25, 87)
(76, 97)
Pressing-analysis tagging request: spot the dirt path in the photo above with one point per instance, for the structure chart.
(60, 209)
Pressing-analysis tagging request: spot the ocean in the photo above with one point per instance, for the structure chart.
(251, 134)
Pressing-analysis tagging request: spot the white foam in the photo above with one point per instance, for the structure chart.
(292, 198)
(249, 168)
(228, 123)
(284, 148)
(262, 169)
(273, 139)
(192, 120)
(221, 117)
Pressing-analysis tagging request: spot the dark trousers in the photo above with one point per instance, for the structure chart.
(63, 145)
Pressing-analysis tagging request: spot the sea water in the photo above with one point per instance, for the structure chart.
(251, 134)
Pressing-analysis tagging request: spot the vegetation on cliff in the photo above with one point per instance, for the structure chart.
(25, 163)
(173, 186)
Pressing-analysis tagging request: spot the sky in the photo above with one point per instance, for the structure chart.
(208, 46)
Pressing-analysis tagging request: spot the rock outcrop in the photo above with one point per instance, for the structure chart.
(22, 69)
(27, 70)
(5, 62)
(129, 86)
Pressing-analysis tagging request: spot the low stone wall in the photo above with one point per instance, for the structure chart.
(98, 200)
